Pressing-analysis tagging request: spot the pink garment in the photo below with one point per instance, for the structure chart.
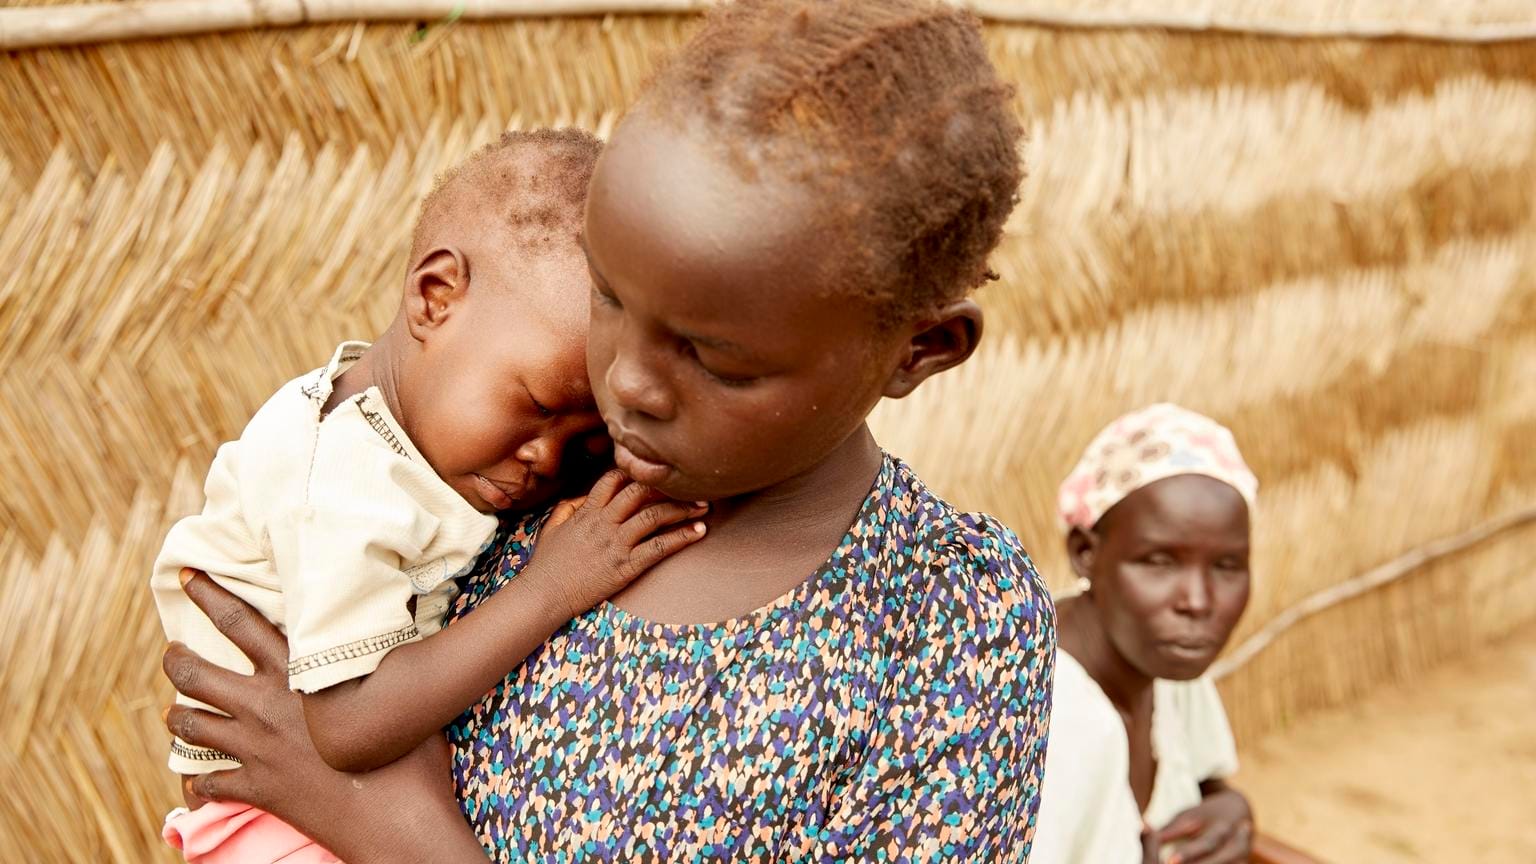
(231, 833)
(1146, 446)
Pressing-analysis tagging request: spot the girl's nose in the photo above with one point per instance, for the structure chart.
(637, 388)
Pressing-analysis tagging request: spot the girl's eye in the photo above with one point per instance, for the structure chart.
(1232, 565)
(603, 298)
(730, 382)
(727, 380)
(1158, 559)
(539, 406)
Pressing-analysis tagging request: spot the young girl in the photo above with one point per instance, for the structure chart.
(781, 233)
(360, 491)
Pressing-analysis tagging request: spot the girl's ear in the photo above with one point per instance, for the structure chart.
(434, 288)
(940, 342)
(1080, 553)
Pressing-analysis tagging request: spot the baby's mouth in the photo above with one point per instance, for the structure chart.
(498, 493)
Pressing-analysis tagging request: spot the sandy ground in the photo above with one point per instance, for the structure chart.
(1443, 770)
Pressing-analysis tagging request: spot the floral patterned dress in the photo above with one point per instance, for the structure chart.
(893, 707)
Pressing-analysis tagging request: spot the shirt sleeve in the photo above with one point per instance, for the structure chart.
(952, 769)
(340, 558)
(216, 539)
(1087, 812)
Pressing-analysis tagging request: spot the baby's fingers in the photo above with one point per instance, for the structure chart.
(651, 519)
(563, 511)
(662, 546)
(606, 487)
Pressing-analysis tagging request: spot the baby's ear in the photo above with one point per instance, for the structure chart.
(434, 288)
(938, 341)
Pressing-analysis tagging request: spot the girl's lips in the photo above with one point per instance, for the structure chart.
(639, 469)
(492, 494)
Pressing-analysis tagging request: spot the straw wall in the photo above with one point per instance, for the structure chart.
(1327, 243)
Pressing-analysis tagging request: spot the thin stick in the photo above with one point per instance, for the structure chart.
(45, 26)
(1370, 580)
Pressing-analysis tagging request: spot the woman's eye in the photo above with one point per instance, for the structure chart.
(1158, 559)
(539, 406)
(1232, 565)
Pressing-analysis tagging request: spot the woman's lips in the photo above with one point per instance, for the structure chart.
(1191, 649)
(642, 469)
(498, 495)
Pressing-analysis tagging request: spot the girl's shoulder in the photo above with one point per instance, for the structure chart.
(971, 557)
(509, 549)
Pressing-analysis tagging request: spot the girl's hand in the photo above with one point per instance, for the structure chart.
(405, 811)
(1218, 830)
(591, 548)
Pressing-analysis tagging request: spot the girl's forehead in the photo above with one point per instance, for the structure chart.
(667, 206)
(694, 185)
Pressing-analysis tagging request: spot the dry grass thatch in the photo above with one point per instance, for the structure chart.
(1330, 244)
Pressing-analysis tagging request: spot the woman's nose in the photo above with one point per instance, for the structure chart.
(1194, 596)
(636, 387)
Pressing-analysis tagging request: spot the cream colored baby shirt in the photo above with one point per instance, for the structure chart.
(328, 528)
(1087, 809)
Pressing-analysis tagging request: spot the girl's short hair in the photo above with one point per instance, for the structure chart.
(890, 109)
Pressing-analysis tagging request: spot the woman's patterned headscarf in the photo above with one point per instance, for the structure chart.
(1143, 447)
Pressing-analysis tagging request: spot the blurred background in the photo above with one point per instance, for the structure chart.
(1314, 221)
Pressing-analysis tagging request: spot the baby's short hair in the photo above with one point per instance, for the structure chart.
(534, 182)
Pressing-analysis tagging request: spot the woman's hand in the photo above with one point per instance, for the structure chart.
(1218, 830)
(405, 811)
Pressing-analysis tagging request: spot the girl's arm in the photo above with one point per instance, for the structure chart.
(405, 812)
(621, 530)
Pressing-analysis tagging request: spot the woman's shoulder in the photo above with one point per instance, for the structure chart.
(1087, 718)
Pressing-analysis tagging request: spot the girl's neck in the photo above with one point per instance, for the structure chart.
(760, 546)
(378, 367)
(830, 491)
(1082, 635)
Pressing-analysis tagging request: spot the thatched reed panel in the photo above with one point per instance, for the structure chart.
(1329, 243)
(342, 83)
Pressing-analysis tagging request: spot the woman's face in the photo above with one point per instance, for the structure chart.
(723, 357)
(1168, 567)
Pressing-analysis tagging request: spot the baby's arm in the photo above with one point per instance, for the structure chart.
(620, 531)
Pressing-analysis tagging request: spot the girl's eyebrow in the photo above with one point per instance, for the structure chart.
(581, 240)
(711, 342)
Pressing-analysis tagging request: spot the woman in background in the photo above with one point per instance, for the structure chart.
(1157, 515)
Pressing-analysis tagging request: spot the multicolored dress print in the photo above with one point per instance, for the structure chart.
(893, 707)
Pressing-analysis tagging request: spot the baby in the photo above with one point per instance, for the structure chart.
(361, 490)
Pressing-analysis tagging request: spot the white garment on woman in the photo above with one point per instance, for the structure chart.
(1087, 810)
(328, 526)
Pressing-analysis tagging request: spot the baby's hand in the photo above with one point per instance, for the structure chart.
(591, 548)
